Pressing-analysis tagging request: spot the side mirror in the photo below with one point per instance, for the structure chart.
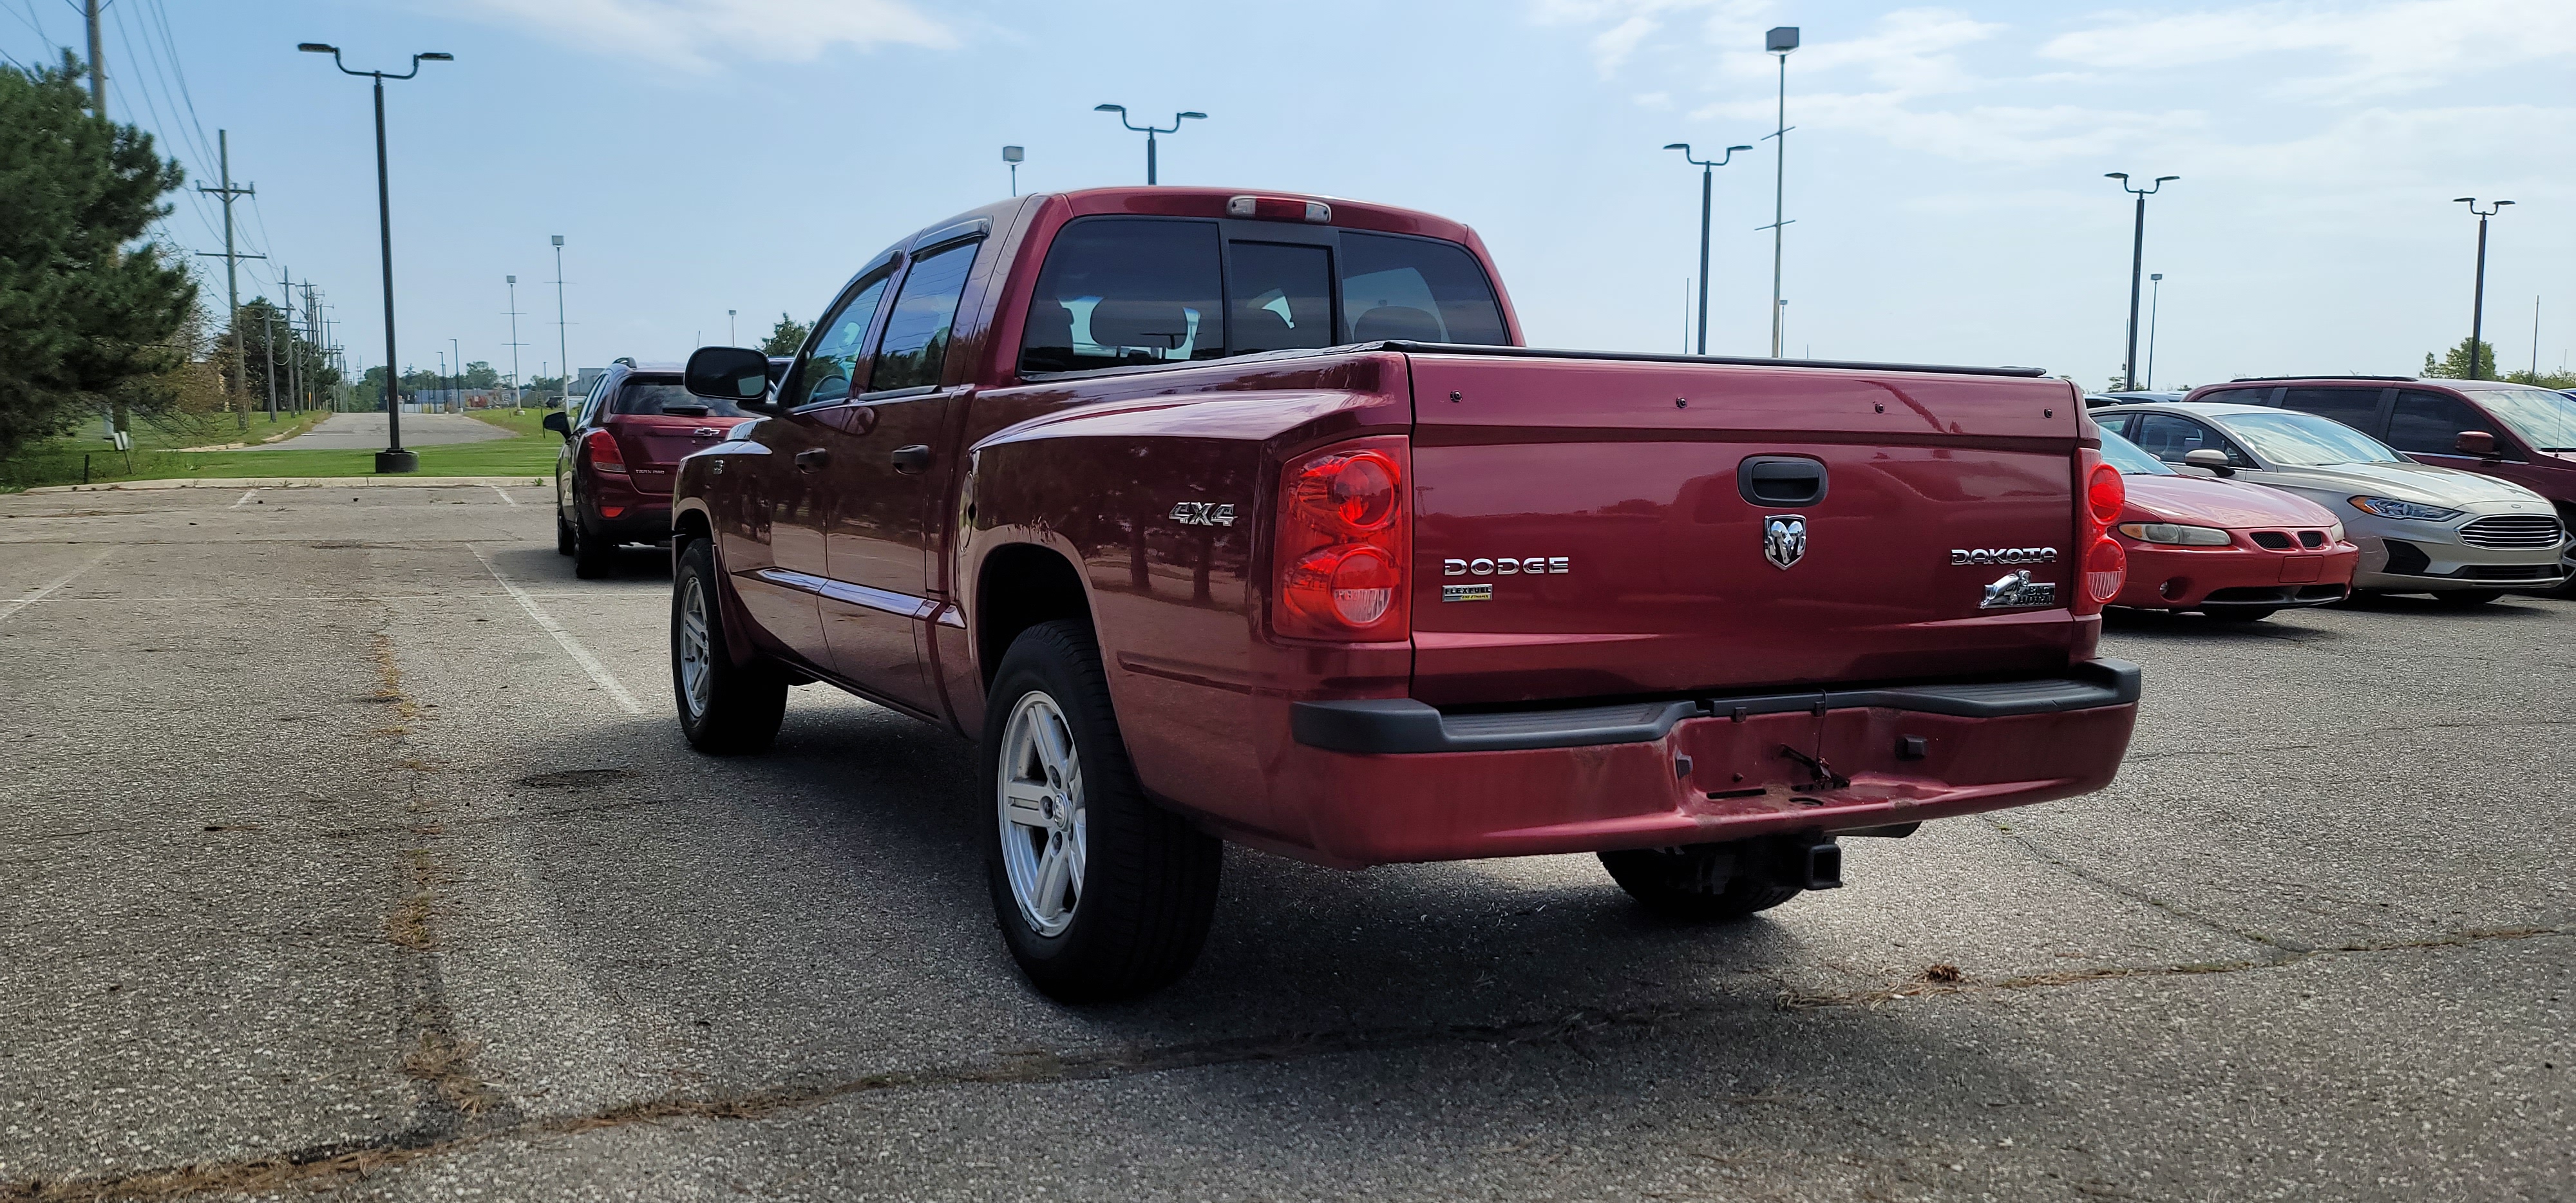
(2210, 458)
(738, 375)
(557, 422)
(2478, 443)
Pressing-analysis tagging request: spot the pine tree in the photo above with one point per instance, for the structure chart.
(88, 311)
(784, 340)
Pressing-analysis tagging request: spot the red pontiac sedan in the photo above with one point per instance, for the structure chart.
(2233, 551)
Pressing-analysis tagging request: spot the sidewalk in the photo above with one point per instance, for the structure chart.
(300, 482)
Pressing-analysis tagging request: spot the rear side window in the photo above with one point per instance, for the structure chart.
(2354, 407)
(2239, 396)
(1416, 288)
(915, 346)
(2431, 422)
(1119, 291)
(648, 394)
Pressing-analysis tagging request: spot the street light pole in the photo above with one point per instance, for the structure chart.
(1014, 155)
(1779, 41)
(456, 376)
(1707, 181)
(2137, 269)
(562, 347)
(1148, 130)
(2478, 306)
(2155, 302)
(393, 458)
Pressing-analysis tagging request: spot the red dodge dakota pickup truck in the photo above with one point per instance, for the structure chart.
(1248, 516)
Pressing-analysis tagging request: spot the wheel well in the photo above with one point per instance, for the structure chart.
(692, 526)
(1023, 585)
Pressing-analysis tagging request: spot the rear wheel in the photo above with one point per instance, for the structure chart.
(726, 708)
(592, 555)
(563, 536)
(2464, 598)
(1700, 882)
(2242, 613)
(1100, 894)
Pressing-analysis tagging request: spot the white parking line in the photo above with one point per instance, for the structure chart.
(244, 499)
(505, 496)
(581, 655)
(12, 607)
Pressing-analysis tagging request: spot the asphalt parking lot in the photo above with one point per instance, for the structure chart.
(349, 847)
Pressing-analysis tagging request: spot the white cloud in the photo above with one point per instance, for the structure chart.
(2377, 49)
(701, 35)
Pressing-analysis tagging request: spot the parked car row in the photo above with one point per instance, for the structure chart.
(1250, 517)
(2475, 500)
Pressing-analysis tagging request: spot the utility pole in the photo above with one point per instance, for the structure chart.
(561, 344)
(515, 344)
(232, 267)
(268, 349)
(1779, 41)
(98, 65)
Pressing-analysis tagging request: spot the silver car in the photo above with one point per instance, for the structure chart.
(2460, 536)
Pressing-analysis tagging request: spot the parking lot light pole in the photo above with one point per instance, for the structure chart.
(2478, 305)
(1707, 179)
(1148, 130)
(1779, 41)
(2155, 302)
(393, 458)
(1014, 156)
(2137, 269)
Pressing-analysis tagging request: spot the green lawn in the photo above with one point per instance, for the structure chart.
(58, 462)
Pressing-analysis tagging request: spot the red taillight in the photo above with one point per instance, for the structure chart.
(2105, 494)
(2101, 565)
(604, 455)
(2105, 568)
(1345, 545)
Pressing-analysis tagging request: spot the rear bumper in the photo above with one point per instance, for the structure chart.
(1395, 780)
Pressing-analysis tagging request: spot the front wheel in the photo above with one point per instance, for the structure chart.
(1100, 893)
(726, 708)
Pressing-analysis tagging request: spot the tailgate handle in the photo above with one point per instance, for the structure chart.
(1769, 480)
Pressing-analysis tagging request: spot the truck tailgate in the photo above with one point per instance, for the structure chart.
(1584, 528)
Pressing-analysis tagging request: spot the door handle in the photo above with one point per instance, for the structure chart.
(813, 461)
(912, 459)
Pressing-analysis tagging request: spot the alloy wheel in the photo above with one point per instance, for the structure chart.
(1042, 814)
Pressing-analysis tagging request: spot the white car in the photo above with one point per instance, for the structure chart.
(2460, 536)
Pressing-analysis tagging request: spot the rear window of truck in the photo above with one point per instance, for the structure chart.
(1128, 291)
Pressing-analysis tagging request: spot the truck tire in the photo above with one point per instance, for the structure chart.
(1697, 882)
(592, 556)
(1099, 893)
(726, 709)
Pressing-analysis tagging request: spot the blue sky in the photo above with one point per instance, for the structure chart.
(1944, 176)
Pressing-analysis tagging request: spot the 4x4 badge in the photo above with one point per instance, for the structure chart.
(1784, 539)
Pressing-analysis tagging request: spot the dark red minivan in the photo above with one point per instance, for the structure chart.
(621, 448)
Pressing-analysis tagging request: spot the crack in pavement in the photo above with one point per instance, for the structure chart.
(2281, 946)
(324, 1163)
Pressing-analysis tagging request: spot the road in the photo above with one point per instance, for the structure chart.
(348, 844)
(367, 431)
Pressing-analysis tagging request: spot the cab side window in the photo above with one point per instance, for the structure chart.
(2354, 407)
(915, 347)
(2432, 422)
(839, 347)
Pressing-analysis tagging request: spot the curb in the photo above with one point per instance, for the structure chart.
(298, 482)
